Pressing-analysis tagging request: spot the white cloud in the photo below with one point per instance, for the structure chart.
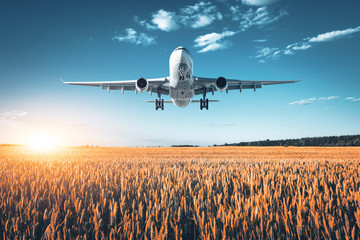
(224, 124)
(260, 40)
(329, 36)
(165, 21)
(304, 101)
(213, 41)
(229, 124)
(12, 115)
(328, 98)
(268, 53)
(144, 23)
(202, 21)
(133, 37)
(352, 99)
(258, 17)
(290, 49)
(203, 14)
(307, 43)
(259, 2)
(198, 7)
(199, 15)
(235, 13)
(311, 100)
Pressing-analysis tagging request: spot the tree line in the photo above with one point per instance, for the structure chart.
(331, 141)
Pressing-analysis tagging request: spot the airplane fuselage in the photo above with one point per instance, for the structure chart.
(181, 90)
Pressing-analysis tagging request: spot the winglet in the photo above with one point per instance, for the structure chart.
(62, 80)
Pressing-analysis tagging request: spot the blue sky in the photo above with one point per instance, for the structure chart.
(42, 41)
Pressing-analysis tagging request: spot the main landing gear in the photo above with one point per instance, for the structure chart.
(159, 103)
(204, 102)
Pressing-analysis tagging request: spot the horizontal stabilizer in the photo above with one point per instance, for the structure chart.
(152, 101)
(197, 101)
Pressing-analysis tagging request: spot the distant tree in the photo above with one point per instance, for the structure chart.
(350, 140)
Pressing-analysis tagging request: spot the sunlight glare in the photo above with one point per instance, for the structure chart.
(43, 143)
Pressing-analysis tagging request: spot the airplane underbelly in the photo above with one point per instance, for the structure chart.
(181, 102)
(183, 90)
(182, 94)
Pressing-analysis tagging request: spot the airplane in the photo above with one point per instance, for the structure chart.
(181, 85)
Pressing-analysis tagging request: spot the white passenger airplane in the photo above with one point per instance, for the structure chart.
(181, 85)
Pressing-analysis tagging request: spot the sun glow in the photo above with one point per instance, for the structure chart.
(43, 142)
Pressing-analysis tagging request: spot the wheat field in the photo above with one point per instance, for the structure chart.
(180, 193)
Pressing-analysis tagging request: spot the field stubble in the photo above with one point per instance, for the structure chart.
(174, 193)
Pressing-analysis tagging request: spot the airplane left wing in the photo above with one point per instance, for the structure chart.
(157, 85)
(220, 84)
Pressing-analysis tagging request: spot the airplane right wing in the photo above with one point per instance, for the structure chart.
(156, 85)
(220, 84)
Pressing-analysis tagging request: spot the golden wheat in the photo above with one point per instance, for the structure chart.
(180, 193)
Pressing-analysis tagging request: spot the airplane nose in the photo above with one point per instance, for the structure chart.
(184, 56)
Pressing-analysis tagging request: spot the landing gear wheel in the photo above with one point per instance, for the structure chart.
(159, 103)
(204, 103)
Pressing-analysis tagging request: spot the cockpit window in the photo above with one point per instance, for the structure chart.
(184, 71)
(181, 48)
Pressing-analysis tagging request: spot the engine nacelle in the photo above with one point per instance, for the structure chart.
(142, 85)
(221, 84)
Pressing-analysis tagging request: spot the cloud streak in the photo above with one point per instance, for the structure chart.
(307, 43)
(259, 17)
(330, 36)
(352, 99)
(311, 100)
(253, 17)
(136, 38)
(259, 2)
(200, 15)
(266, 52)
(251, 13)
(328, 98)
(303, 102)
(163, 20)
(12, 115)
(260, 40)
(213, 41)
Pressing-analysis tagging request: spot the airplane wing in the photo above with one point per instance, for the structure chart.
(156, 85)
(208, 84)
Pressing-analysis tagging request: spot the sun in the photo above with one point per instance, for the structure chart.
(43, 142)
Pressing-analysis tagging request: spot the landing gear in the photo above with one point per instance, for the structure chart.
(204, 103)
(159, 103)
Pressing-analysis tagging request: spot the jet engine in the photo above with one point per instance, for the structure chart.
(221, 84)
(142, 85)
